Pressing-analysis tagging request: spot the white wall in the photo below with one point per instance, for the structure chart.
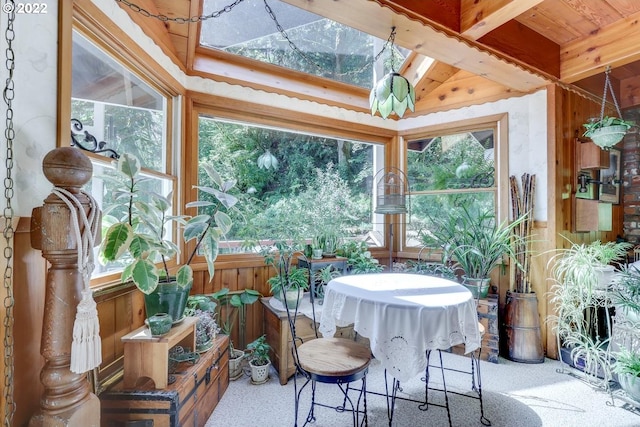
(34, 105)
(527, 136)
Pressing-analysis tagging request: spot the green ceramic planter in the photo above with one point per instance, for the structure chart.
(167, 298)
(160, 324)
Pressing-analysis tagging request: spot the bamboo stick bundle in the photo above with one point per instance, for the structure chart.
(522, 203)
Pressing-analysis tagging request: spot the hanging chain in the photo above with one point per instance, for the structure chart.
(390, 41)
(607, 84)
(284, 35)
(8, 232)
(179, 20)
(193, 19)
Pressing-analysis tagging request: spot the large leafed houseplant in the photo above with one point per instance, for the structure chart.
(138, 235)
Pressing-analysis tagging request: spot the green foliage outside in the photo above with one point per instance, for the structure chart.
(441, 172)
(320, 185)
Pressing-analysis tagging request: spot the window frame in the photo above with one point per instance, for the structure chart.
(124, 51)
(499, 124)
(255, 114)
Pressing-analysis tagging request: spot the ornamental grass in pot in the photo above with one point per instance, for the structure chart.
(474, 241)
(579, 295)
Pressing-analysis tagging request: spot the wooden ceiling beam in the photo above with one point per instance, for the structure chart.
(228, 68)
(461, 90)
(478, 18)
(614, 45)
(426, 38)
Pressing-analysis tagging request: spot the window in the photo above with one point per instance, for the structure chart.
(115, 105)
(291, 184)
(325, 48)
(447, 170)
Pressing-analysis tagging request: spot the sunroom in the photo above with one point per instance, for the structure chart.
(265, 108)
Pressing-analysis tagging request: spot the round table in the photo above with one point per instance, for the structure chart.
(403, 315)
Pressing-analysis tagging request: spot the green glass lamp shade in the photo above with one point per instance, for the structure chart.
(392, 94)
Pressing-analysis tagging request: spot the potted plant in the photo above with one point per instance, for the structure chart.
(259, 360)
(359, 258)
(138, 236)
(328, 242)
(234, 306)
(322, 277)
(625, 295)
(580, 295)
(475, 241)
(204, 308)
(627, 366)
(290, 282)
(607, 131)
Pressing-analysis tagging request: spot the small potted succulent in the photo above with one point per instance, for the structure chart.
(259, 360)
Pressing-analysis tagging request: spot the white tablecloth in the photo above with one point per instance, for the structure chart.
(403, 315)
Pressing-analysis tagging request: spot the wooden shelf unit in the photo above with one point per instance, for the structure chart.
(146, 356)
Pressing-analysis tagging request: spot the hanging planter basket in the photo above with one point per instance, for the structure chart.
(609, 136)
(607, 131)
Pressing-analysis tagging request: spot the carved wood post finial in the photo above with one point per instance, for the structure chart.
(67, 399)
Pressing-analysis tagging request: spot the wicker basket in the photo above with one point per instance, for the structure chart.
(609, 136)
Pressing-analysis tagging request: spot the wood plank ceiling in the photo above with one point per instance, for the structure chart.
(462, 49)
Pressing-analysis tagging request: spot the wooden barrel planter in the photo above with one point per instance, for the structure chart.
(522, 328)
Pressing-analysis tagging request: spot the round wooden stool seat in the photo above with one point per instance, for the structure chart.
(333, 357)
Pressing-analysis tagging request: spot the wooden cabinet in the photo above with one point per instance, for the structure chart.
(187, 402)
(279, 337)
(589, 156)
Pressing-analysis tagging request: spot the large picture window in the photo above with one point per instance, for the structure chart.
(447, 171)
(291, 185)
(116, 106)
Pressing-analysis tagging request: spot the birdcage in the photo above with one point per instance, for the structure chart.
(391, 192)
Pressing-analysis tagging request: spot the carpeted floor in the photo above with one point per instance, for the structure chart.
(515, 395)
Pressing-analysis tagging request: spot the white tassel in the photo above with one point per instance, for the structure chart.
(86, 348)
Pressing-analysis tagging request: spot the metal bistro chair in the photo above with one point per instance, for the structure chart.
(476, 378)
(336, 361)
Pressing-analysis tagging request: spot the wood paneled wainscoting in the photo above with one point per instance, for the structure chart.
(121, 310)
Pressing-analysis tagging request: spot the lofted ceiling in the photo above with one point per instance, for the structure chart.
(462, 50)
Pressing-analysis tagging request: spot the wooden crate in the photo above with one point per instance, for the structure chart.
(187, 402)
(488, 316)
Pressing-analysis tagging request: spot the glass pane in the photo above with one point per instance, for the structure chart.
(425, 206)
(116, 106)
(457, 161)
(104, 192)
(292, 185)
(327, 48)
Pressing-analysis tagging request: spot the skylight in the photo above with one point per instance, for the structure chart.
(326, 48)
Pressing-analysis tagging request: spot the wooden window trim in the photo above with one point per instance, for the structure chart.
(499, 124)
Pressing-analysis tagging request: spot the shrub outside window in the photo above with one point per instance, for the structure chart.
(291, 185)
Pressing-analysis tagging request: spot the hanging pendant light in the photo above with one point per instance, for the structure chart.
(393, 93)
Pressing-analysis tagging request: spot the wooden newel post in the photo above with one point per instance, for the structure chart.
(67, 399)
